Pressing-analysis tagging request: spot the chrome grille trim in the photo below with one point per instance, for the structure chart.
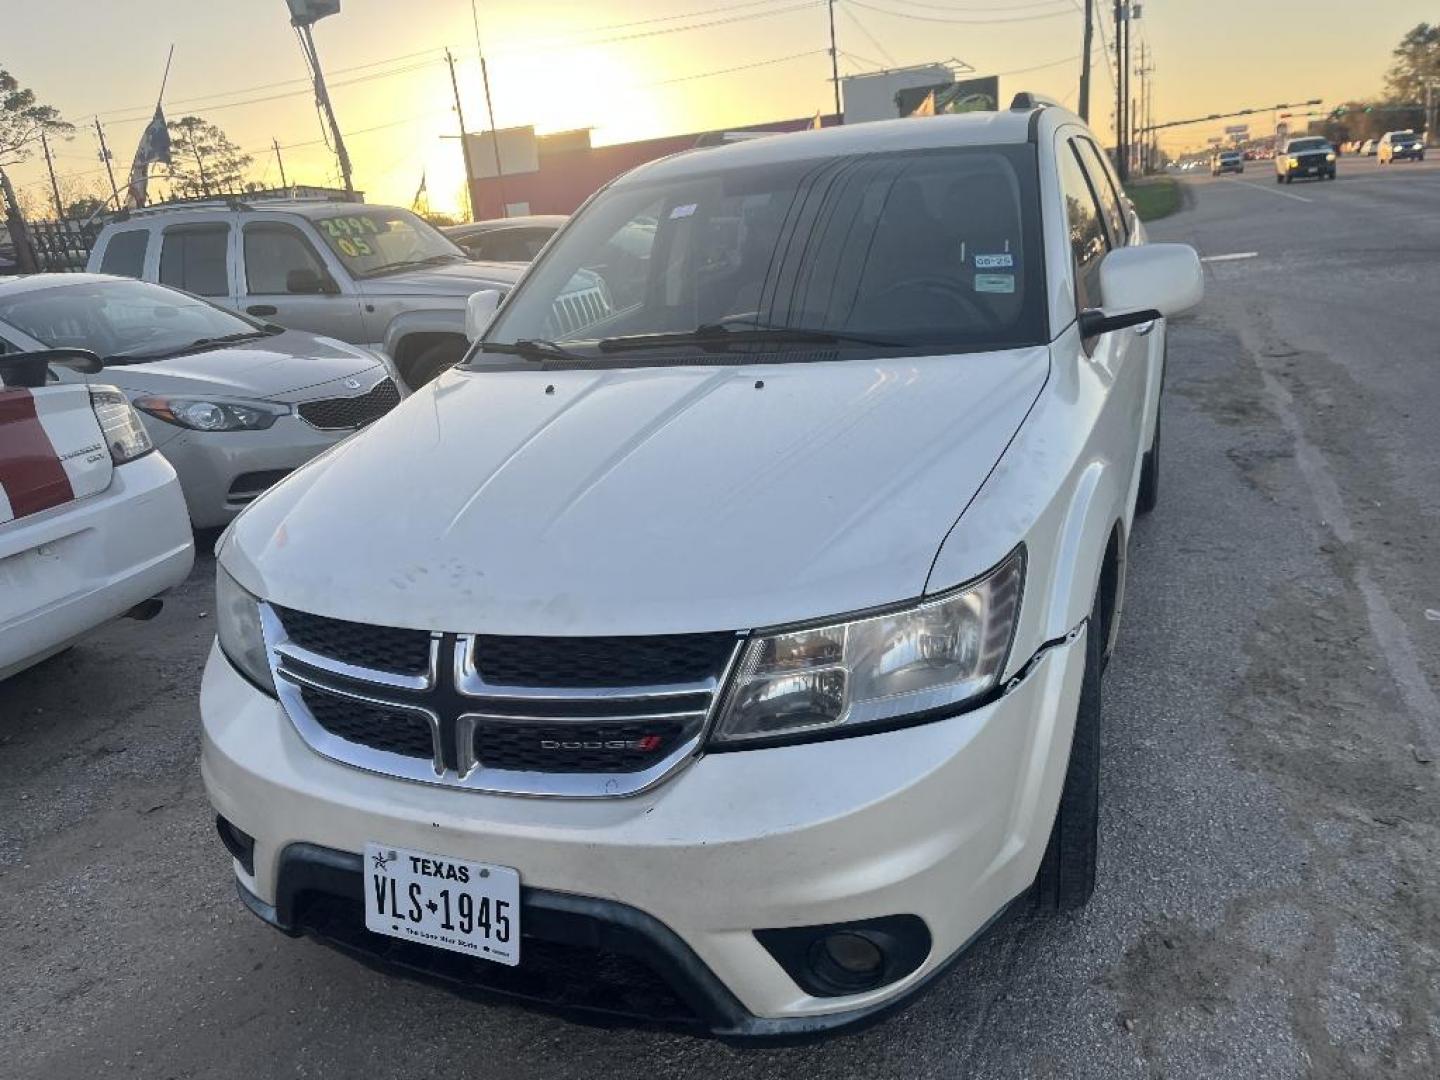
(460, 693)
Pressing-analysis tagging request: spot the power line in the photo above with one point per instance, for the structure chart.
(563, 44)
(855, 19)
(959, 22)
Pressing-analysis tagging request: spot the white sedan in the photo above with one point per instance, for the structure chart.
(92, 521)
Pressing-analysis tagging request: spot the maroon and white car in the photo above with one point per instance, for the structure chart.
(93, 525)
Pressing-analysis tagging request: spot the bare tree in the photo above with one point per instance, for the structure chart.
(203, 160)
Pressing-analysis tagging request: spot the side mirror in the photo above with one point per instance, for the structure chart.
(480, 312)
(307, 282)
(30, 369)
(1143, 283)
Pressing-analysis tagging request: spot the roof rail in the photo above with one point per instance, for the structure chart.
(227, 203)
(1025, 101)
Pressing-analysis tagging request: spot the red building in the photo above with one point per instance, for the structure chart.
(554, 174)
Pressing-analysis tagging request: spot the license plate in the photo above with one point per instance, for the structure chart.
(466, 907)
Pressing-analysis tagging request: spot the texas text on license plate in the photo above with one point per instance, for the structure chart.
(470, 908)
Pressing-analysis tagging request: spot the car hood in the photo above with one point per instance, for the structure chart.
(280, 368)
(640, 501)
(454, 279)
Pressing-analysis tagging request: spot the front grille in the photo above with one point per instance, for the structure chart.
(600, 661)
(575, 747)
(585, 716)
(383, 648)
(395, 731)
(351, 412)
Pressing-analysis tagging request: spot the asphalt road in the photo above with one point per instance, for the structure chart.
(1269, 901)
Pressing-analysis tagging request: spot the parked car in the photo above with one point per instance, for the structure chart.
(1310, 156)
(1398, 146)
(749, 635)
(1226, 161)
(92, 522)
(1369, 148)
(376, 276)
(234, 404)
(517, 239)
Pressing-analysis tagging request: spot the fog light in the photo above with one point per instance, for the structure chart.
(853, 954)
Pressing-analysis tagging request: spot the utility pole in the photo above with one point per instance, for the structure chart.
(464, 143)
(303, 23)
(54, 186)
(280, 161)
(105, 157)
(835, 63)
(1085, 60)
(1122, 150)
(490, 112)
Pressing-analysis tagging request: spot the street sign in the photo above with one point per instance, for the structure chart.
(1236, 129)
(308, 12)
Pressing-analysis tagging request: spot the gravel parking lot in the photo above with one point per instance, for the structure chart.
(1269, 882)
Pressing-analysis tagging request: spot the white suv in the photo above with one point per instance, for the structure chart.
(730, 657)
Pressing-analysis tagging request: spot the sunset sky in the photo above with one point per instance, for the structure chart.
(613, 67)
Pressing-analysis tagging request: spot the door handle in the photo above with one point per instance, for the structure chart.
(262, 309)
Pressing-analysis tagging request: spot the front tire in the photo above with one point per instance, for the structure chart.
(1066, 880)
(431, 361)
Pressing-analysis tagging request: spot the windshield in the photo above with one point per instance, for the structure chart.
(377, 240)
(122, 321)
(934, 250)
(1308, 144)
(1402, 136)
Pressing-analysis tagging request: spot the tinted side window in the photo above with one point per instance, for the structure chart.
(125, 254)
(1104, 185)
(271, 252)
(192, 257)
(1087, 233)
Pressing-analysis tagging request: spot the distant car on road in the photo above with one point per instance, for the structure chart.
(376, 276)
(92, 522)
(1227, 161)
(1311, 156)
(1398, 146)
(233, 404)
(516, 239)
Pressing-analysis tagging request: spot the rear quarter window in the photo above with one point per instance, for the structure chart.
(125, 253)
(193, 258)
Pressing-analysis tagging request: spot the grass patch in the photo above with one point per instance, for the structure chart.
(1157, 197)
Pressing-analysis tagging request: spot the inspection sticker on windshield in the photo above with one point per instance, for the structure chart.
(995, 283)
(466, 907)
(683, 211)
(1004, 260)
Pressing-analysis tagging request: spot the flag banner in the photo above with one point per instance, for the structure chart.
(154, 146)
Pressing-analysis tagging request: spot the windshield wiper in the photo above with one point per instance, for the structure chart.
(719, 335)
(194, 346)
(410, 264)
(533, 349)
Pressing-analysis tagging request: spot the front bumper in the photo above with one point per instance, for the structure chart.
(946, 821)
(1319, 167)
(222, 472)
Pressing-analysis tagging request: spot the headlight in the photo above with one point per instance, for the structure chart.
(900, 666)
(237, 624)
(206, 414)
(1329, 157)
(125, 436)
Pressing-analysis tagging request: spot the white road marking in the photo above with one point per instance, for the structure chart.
(1272, 191)
(1389, 631)
(1231, 257)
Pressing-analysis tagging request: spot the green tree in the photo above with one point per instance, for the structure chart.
(203, 160)
(1417, 61)
(22, 119)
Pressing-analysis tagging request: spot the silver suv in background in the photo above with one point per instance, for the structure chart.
(378, 276)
